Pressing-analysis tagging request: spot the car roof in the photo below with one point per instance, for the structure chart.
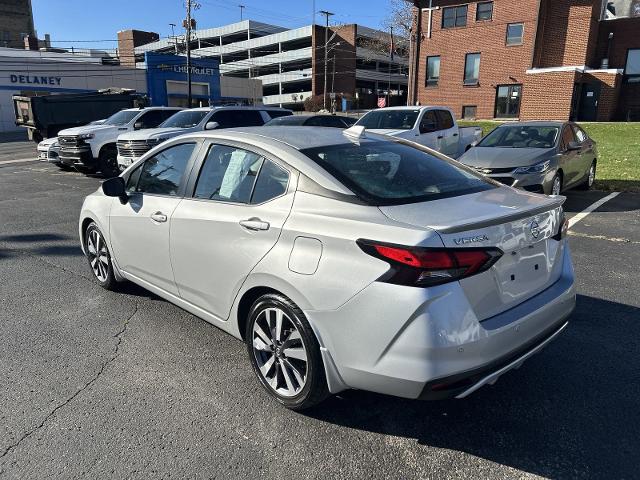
(536, 123)
(298, 137)
(237, 107)
(412, 107)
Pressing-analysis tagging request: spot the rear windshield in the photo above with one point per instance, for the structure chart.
(390, 173)
(185, 119)
(390, 119)
(521, 136)
(287, 120)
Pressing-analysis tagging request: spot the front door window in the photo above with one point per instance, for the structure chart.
(508, 101)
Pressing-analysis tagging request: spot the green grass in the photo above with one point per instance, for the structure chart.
(618, 153)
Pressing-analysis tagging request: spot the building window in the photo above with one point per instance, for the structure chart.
(484, 11)
(433, 71)
(508, 101)
(632, 67)
(515, 32)
(472, 69)
(454, 16)
(469, 112)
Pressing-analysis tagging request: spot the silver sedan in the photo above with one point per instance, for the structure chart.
(543, 157)
(343, 259)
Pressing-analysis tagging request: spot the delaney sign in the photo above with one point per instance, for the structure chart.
(35, 79)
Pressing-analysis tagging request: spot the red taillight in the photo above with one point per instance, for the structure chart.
(426, 267)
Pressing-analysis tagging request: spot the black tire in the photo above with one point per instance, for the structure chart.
(315, 389)
(588, 183)
(103, 272)
(108, 162)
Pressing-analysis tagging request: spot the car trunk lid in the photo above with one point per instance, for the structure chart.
(520, 224)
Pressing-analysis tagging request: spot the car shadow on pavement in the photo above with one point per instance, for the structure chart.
(34, 237)
(570, 411)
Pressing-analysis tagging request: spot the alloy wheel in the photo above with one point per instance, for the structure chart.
(98, 255)
(592, 175)
(280, 352)
(555, 188)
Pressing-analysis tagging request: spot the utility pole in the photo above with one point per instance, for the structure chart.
(189, 23)
(173, 37)
(391, 47)
(242, 7)
(326, 41)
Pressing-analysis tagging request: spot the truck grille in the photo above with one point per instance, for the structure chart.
(132, 148)
(69, 141)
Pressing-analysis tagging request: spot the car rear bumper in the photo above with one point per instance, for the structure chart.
(405, 341)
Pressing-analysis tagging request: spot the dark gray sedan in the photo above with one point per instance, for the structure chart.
(543, 157)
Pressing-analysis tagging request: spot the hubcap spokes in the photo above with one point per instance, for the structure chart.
(592, 175)
(280, 352)
(98, 255)
(556, 187)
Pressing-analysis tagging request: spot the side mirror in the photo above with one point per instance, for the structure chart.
(473, 144)
(115, 187)
(573, 146)
(211, 125)
(138, 126)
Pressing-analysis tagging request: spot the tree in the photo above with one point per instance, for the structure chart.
(400, 17)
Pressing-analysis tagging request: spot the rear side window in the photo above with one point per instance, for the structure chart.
(237, 118)
(580, 135)
(391, 173)
(272, 182)
(162, 173)
(228, 174)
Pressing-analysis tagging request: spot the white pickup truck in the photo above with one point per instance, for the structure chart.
(93, 147)
(433, 127)
(133, 145)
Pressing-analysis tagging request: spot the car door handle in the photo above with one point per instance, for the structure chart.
(254, 224)
(159, 217)
(440, 137)
(455, 134)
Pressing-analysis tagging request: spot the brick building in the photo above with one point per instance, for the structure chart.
(16, 23)
(528, 59)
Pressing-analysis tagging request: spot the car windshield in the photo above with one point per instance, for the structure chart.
(121, 118)
(184, 119)
(521, 136)
(391, 173)
(391, 119)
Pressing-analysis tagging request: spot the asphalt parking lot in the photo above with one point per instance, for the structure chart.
(99, 384)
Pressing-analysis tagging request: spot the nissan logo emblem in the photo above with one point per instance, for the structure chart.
(534, 228)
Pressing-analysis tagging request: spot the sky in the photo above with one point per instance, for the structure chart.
(94, 23)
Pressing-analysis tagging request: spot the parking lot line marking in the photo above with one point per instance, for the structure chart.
(579, 216)
(18, 160)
